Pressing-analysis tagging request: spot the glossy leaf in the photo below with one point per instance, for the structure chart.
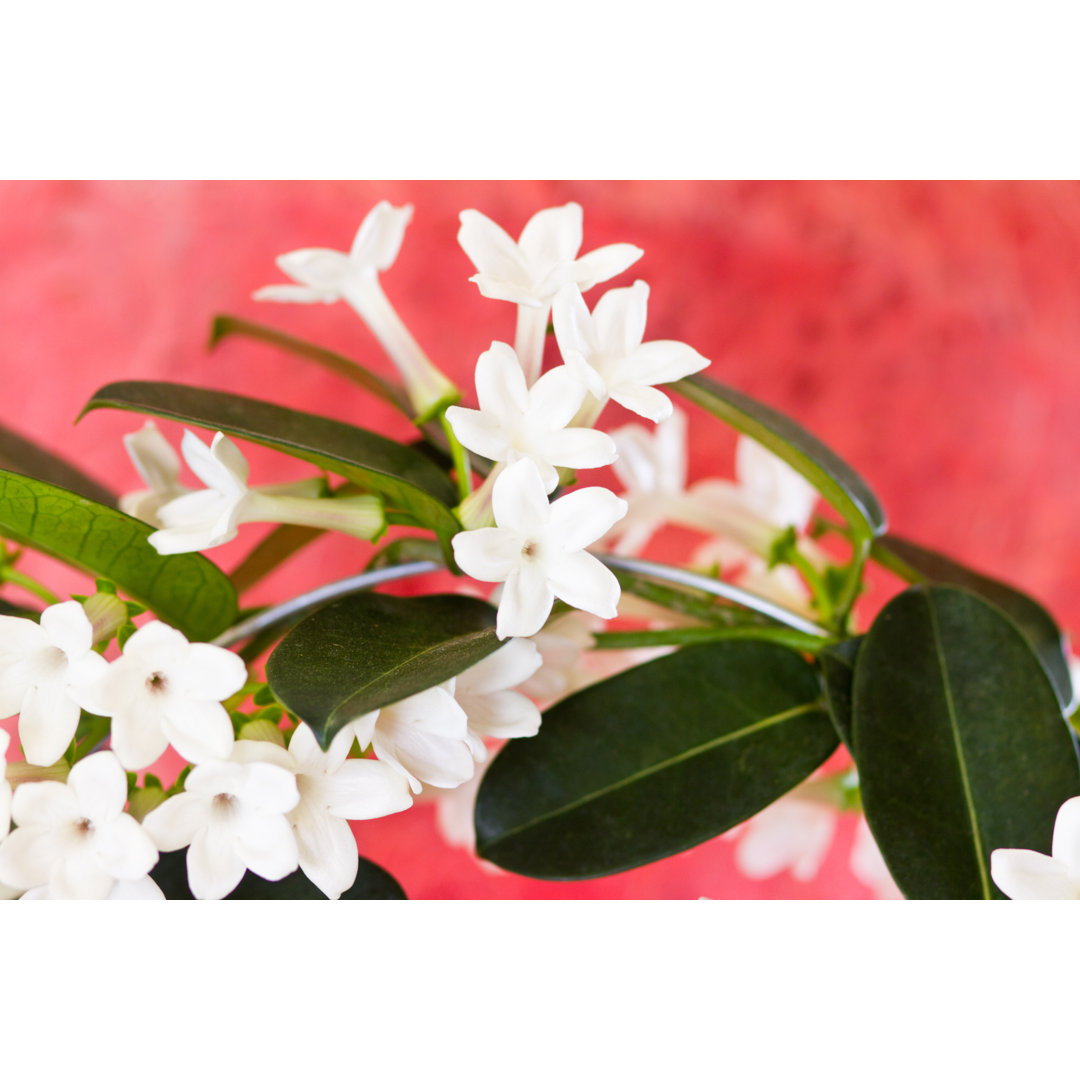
(372, 883)
(838, 675)
(26, 458)
(653, 761)
(831, 475)
(368, 650)
(188, 591)
(405, 478)
(959, 740)
(915, 563)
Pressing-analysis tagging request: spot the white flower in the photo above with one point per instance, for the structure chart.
(869, 867)
(5, 787)
(75, 837)
(159, 465)
(606, 350)
(42, 668)
(207, 518)
(486, 693)
(326, 276)
(166, 690)
(530, 272)
(792, 834)
(333, 791)
(781, 584)
(144, 888)
(424, 738)
(537, 549)
(1029, 875)
(515, 422)
(232, 816)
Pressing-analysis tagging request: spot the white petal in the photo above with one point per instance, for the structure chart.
(504, 669)
(494, 288)
(502, 714)
(660, 362)
(68, 628)
(268, 788)
(526, 602)
(326, 850)
(80, 876)
(363, 789)
(519, 501)
(1066, 843)
(309, 756)
(210, 673)
(154, 647)
(125, 849)
(771, 487)
(643, 400)
(490, 249)
(1030, 875)
(552, 236)
(296, 294)
(197, 730)
(318, 268)
(267, 844)
(214, 867)
(500, 383)
(154, 458)
(479, 432)
(176, 822)
(48, 721)
(177, 540)
(137, 737)
(487, 554)
(28, 855)
(145, 888)
(583, 582)
(604, 263)
(579, 448)
(556, 396)
(100, 787)
(619, 318)
(582, 517)
(380, 236)
(574, 330)
(205, 465)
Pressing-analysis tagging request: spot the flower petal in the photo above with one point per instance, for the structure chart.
(580, 448)
(1030, 875)
(519, 501)
(364, 789)
(552, 236)
(604, 263)
(584, 582)
(619, 319)
(125, 849)
(487, 554)
(68, 628)
(574, 330)
(490, 249)
(137, 737)
(318, 268)
(267, 845)
(48, 721)
(556, 396)
(1066, 843)
(175, 823)
(526, 602)
(479, 432)
(500, 384)
(380, 236)
(214, 867)
(154, 458)
(210, 673)
(100, 787)
(296, 294)
(326, 849)
(197, 730)
(503, 669)
(643, 400)
(582, 517)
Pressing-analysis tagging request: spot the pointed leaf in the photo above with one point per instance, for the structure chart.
(916, 563)
(187, 591)
(369, 650)
(26, 458)
(838, 675)
(831, 475)
(653, 761)
(960, 743)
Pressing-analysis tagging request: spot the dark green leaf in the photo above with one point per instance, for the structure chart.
(277, 546)
(831, 475)
(654, 761)
(372, 883)
(18, 611)
(915, 563)
(406, 479)
(26, 458)
(838, 675)
(960, 742)
(368, 650)
(188, 591)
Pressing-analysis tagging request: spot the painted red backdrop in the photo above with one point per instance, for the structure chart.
(926, 331)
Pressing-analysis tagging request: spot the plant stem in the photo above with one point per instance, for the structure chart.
(694, 635)
(23, 581)
(460, 457)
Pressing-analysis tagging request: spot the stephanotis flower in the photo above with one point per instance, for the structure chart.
(538, 549)
(42, 670)
(531, 271)
(144, 888)
(326, 276)
(159, 466)
(75, 838)
(1030, 875)
(792, 834)
(606, 350)
(205, 519)
(166, 690)
(516, 422)
(232, 816)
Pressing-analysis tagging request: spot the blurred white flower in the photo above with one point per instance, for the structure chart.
(166, 690)
(75, 838)
(781, 584)
(538, 549)
(607, 351)
(159, 466)
(232, 816)
(5, 787)
(43, 667)
(1030, 875)
(792, 834)
(326, 276)
(204, 519)
(516, 422)
(869, 867)
(531, 271)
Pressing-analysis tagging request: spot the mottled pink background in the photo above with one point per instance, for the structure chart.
(926, 331)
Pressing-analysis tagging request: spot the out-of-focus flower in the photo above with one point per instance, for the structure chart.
(538, 549)
(869, 867)
(792, 834)
(326, 276)
(531, 271)
(75, 838)
(606, 350)
(42, 670)
(159, 466)
(166, 690)
(207, 518)
(5, 787)
(516, 422)
(1030, 875)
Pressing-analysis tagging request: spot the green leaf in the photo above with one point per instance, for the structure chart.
(406, 479)
(697, 635)
(277, 546)
(368, 650)
(838, 675)
(372, 883)
(915, 563)
(831, 475)
(187, 591)
(960, 742)
(225, 326)
(653, 761)
(26, 458)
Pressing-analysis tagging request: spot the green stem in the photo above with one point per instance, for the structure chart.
(460, 457)
(822, 600)
(15, 577)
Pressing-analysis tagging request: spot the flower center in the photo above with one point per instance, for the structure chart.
(157, 683)
(530, 550)
(84, 827)
(224, 803)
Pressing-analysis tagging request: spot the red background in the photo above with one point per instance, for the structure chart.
(926, 331)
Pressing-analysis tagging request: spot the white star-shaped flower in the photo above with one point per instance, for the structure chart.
(210, 517)
(538, 549)
(166, 690)
(1030, 875)
(75, 838)
(42, 669)
(792, 834)
(531, 271)
(335, 790)
(516, 422)
(159, 466)
(232, 816)
(607, 351)
(326, 276)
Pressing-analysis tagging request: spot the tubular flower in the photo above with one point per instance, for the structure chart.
(159, 466)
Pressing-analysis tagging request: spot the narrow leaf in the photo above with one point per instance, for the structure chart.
(697, 635)
(369, 650)
(959, 740)
(838, 675)
(22, 456)
(277, 546)
(653, 761)
(187, 591)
